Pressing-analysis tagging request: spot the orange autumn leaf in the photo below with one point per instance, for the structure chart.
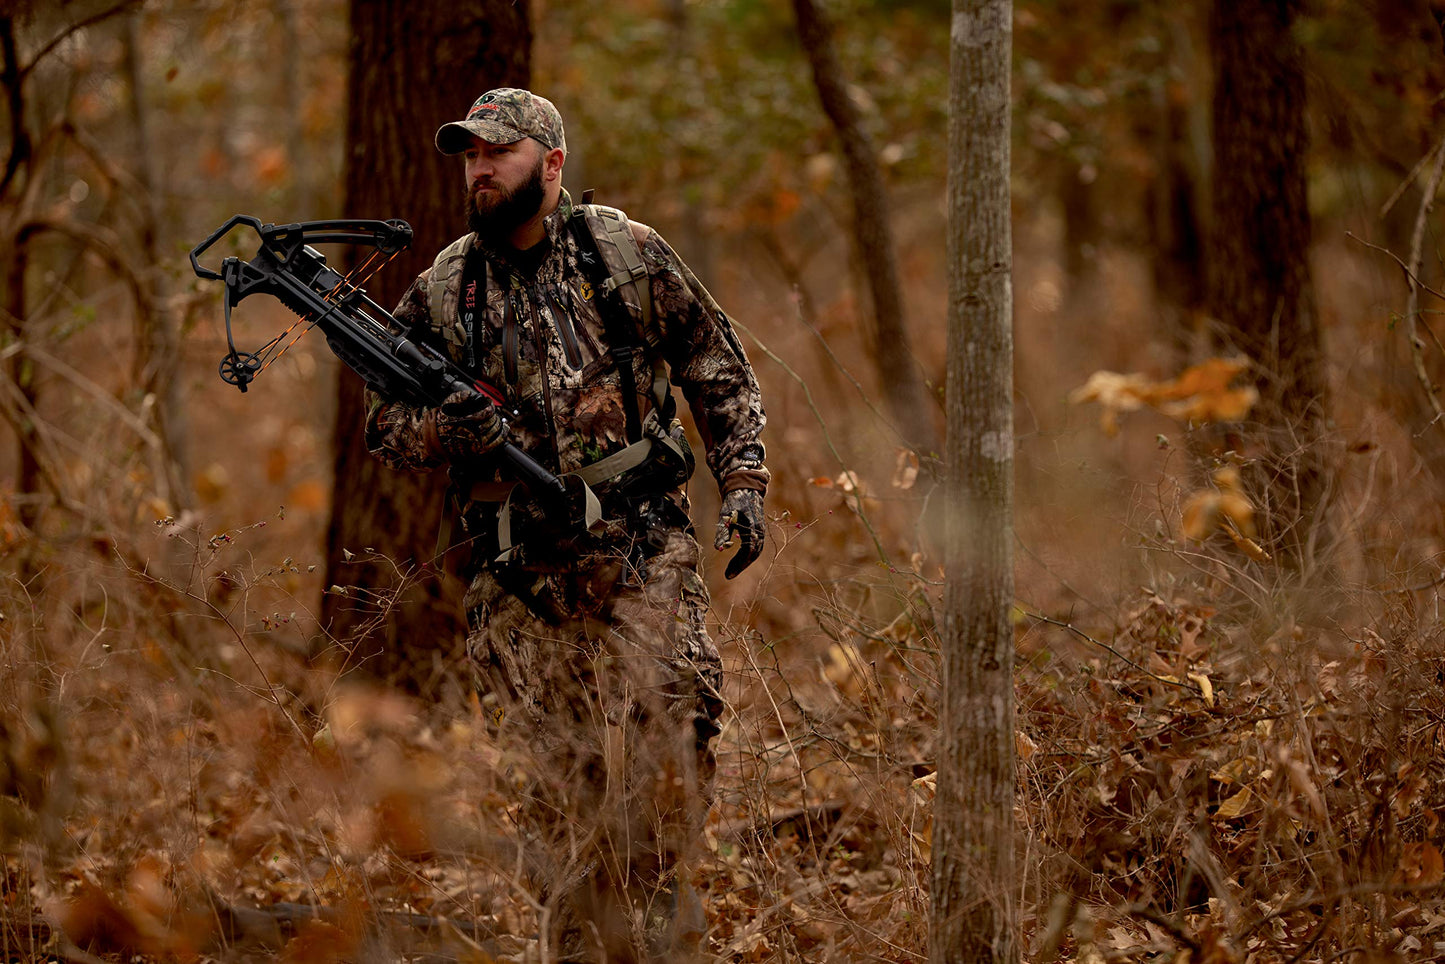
(1226, 508)
(1200, 394)
(1421, 865)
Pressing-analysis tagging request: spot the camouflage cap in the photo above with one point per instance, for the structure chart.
(503, 116)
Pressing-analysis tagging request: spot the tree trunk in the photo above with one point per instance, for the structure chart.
(1260, 286)
(414, 66)
(17, 173)
(974, 888)
(303, 179)
(902, 380)
(158, 339)
(1176, 129)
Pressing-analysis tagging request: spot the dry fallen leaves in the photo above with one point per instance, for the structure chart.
(1200, 394)
(905, 469)
(1421, 865)
(1225, 508)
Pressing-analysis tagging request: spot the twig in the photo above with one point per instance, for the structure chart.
(1405, 185)
(272, 692)
(74, 28)
(1403, 267)
(1334, 897)
(1175, 928)
(857, 385)
(16, 412)
(68, 951)
(80, 381)
(1105, 646)
(828, 439)
(1438, 580)
(269, 924)
(1412, 307)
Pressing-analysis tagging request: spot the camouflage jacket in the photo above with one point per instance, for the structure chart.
(538, 337)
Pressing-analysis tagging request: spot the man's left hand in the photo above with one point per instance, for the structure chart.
(742, 514)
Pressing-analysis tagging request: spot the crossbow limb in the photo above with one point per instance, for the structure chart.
(360, 332)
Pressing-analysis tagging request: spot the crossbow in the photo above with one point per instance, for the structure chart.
(360, 332)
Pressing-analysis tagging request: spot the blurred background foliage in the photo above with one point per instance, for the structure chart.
(163, 576)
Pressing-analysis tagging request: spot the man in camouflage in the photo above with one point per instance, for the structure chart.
(587, 633)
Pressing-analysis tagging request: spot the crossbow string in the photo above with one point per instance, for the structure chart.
(361, 333)
(283, 250)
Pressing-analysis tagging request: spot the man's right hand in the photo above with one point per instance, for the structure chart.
(468, 426)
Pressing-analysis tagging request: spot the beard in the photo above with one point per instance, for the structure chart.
(495, 216)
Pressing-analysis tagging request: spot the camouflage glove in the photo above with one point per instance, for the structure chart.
(742, 513)
(468, 426)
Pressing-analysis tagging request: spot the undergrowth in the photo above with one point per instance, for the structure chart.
(1200, 778)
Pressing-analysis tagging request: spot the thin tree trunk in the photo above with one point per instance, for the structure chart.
(1178, 236)
(17, 171)
(975, 888)
(302, 180)
(158, 343)
(697, 243)
(414, 66)
(1260, 286)
(873, 236)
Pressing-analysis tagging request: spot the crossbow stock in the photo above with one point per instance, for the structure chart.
(360, 332)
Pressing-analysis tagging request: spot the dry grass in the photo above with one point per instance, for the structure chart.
(1214, 759)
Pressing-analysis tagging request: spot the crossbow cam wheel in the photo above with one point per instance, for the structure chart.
(238, 368)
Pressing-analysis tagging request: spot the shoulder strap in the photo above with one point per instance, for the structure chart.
(442, 287)
(617, 231)
(612, 260)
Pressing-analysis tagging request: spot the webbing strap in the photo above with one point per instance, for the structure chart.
(619, 463)
(436, 286)
(634, 272)
(595, 473)
(627, 269)
(591, 517)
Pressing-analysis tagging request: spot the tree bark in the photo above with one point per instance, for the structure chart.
(1260, 286)
(158, 338)
(414, 66)
(1176, 129)
(17, 174)
(974, 887)
(873, 236)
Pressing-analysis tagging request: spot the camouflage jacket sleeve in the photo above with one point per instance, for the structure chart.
(403, 436)
(707, 361)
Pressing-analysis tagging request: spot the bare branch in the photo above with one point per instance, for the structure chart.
(70, 31)
(1412, 307)
(20, 146)
(95, 238)
(1410, 275)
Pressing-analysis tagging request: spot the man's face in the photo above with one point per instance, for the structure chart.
(504, 186)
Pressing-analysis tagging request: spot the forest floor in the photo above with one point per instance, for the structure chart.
(1218, 761)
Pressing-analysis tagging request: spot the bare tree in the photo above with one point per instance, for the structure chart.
(873, 236)
(415, 64)
(974, 888)
(42, 128)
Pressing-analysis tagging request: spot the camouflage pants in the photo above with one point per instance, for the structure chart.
(613, 695)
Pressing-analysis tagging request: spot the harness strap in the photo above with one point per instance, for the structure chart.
(596, 227)
(443, 270)
(628, 245)
(593, 474)
(591, 516)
